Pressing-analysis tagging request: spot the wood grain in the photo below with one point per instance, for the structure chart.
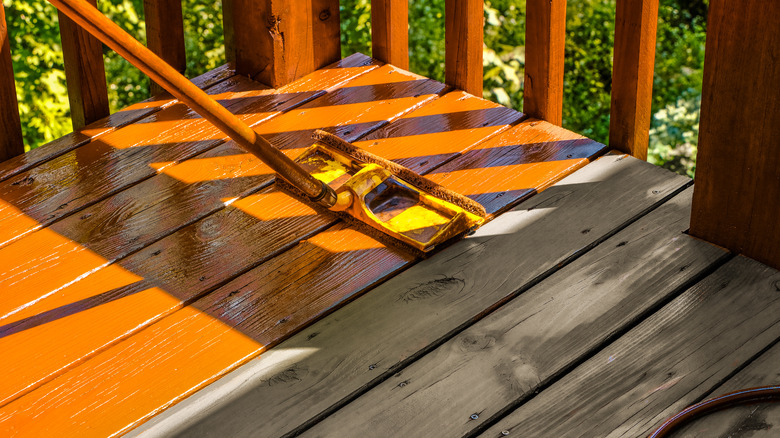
(390, 31)
(511, 353)
(11, 143)
(632, 76)
(545, 39)
(118, 160)
(123, 117)
(84, 73)
(759, 420)
(737, 186)
(273, 39)
(165, 34)
(327, 32)
(369, 339)
(664, 364)
(463, 34)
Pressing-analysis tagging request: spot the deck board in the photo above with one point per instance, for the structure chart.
(664, 364)
(319, 368)
(516, 351)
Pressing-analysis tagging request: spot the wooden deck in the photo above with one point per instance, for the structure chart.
(154, 281)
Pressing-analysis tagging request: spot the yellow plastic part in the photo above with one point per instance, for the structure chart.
(387, 203)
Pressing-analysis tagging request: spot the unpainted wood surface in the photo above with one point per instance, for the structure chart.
(463, 35)
(165, 34)
(84, 73)
(534, 338)
(44, 270)
(632, 76)
(105, 125)
(369, 339)
(666, 363)
(545, 39)
(737, 182)
(759, 420)
(11, 142)
(390, 31)
(327, 32)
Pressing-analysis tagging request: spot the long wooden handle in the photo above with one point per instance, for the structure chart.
(97, 24)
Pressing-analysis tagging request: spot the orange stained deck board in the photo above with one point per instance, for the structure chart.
(117, 160)
(166, 266)
(313, 265)
(103, 126)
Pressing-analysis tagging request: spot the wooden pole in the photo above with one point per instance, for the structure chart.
(84, 72)
(463, 34)
(11, 143)
(545, 39)
(165, 34)
(736, 199)
(632, 76)
(390, 31)
(327, 32)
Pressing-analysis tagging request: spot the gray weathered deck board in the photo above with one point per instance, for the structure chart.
(760, 420)
(328, 363)
(669, 361)
(513, 352)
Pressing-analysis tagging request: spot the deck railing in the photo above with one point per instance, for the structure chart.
(278, 41)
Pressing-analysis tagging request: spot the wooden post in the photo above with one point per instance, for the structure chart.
(327, 32)
(463, 34)
(736, 200)
(84, 73)
(632, 76)
(165, 34)
(390, 31)
(11, 143)
(272, 39)
(545, 39)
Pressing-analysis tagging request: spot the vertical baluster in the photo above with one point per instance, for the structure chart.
(463, 33)
(632, 76)
(327, 32)
(736, 198)
(165, 34)
(390, 31)
(11, 143)
(545, 40)
(84, 72)
(272, 40)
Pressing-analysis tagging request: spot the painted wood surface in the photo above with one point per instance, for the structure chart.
(632, 76)
(666, 363)
(737, 184)
(44, 271)
(390, 31)
(11, 142)
(105, 125)
(365, 342)
(545, 38)
(512, 353)
(165, 34)
(116, 161)
(84, 72)
(759, 420)
(463, 36)
(327, 32)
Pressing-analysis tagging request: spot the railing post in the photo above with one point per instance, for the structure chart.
(545, 40)
(463, 34)
(736, 198)
(165, 34)
(632, 76)
(272, 40)
(390, 31)
(84, 73)
(11, 143)
(327, 32)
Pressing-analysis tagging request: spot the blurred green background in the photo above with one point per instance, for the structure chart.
(43, 103)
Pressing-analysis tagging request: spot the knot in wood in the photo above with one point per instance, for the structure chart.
(325, 14)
